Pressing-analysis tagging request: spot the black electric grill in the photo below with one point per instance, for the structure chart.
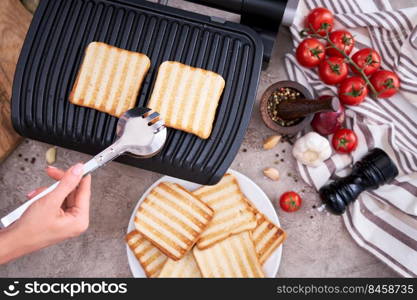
(53, 50)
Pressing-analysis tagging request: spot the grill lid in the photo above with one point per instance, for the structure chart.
(52, 54)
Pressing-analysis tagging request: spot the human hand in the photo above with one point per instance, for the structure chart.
(61, 214)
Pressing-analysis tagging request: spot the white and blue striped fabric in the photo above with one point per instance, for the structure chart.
(383, 221)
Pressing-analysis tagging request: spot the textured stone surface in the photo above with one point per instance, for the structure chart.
(318, 244)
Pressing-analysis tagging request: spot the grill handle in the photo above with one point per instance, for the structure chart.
(264, 16)
(271, 10)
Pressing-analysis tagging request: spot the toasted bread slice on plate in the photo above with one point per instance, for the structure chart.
(109, 78)
(264, 230)
(186, 267)
(187, 97)
(172, 219)
(151, 259)
(267, 237)
(233, 257)
(232, 213)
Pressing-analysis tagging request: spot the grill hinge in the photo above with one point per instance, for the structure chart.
(217, 19)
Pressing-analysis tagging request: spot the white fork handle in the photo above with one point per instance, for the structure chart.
(90, 166)
(14, 215)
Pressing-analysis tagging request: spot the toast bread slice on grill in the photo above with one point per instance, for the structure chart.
(172, 219)
(234, 257)
(151, 259)
(187, 97)
(109, 78)
(186, 267)
(232, 213)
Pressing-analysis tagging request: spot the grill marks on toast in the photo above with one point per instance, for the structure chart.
(109, 78)
(233, 257)
(266, 237)
(233, 238)
(187, 97)
(172, 219)
(151, 259)
(186, 267)
(232, 213)
(159, 89)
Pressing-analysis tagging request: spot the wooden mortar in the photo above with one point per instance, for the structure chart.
(263, 107)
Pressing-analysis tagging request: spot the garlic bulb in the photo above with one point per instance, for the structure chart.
(312, 149)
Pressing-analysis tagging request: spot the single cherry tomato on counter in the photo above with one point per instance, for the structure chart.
(386, 83)
(368, 60)
(319, 20)
(353, 90)
(343, 41)
(290, 201)
(344, 141)
(333, 70)
(310, 53)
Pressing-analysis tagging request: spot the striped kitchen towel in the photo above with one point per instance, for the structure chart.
(383, 221)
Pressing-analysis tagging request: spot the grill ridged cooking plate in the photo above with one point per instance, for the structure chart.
(53, 50)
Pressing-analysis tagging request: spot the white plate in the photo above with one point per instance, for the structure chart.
(252, 192)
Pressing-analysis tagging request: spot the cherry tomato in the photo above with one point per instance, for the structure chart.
(368, 60)
(319, 20)
(353, 90)
(333, 70)
(310, 52)
(343, 40)
(290, 201)
(344, 141)
(386, 83)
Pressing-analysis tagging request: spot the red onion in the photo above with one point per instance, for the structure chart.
(327, 123)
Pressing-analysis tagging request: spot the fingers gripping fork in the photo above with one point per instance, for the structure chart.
(140, 131)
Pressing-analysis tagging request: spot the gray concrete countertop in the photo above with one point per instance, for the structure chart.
(318, 244)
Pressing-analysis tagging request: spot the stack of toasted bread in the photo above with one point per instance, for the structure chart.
(213, 231)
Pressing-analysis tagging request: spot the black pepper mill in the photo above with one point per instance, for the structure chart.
(373, 170)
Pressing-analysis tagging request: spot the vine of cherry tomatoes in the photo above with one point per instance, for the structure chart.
(332, 59)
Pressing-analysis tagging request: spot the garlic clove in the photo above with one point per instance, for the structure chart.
(271, 141)
(272, 173)
(50, 155)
